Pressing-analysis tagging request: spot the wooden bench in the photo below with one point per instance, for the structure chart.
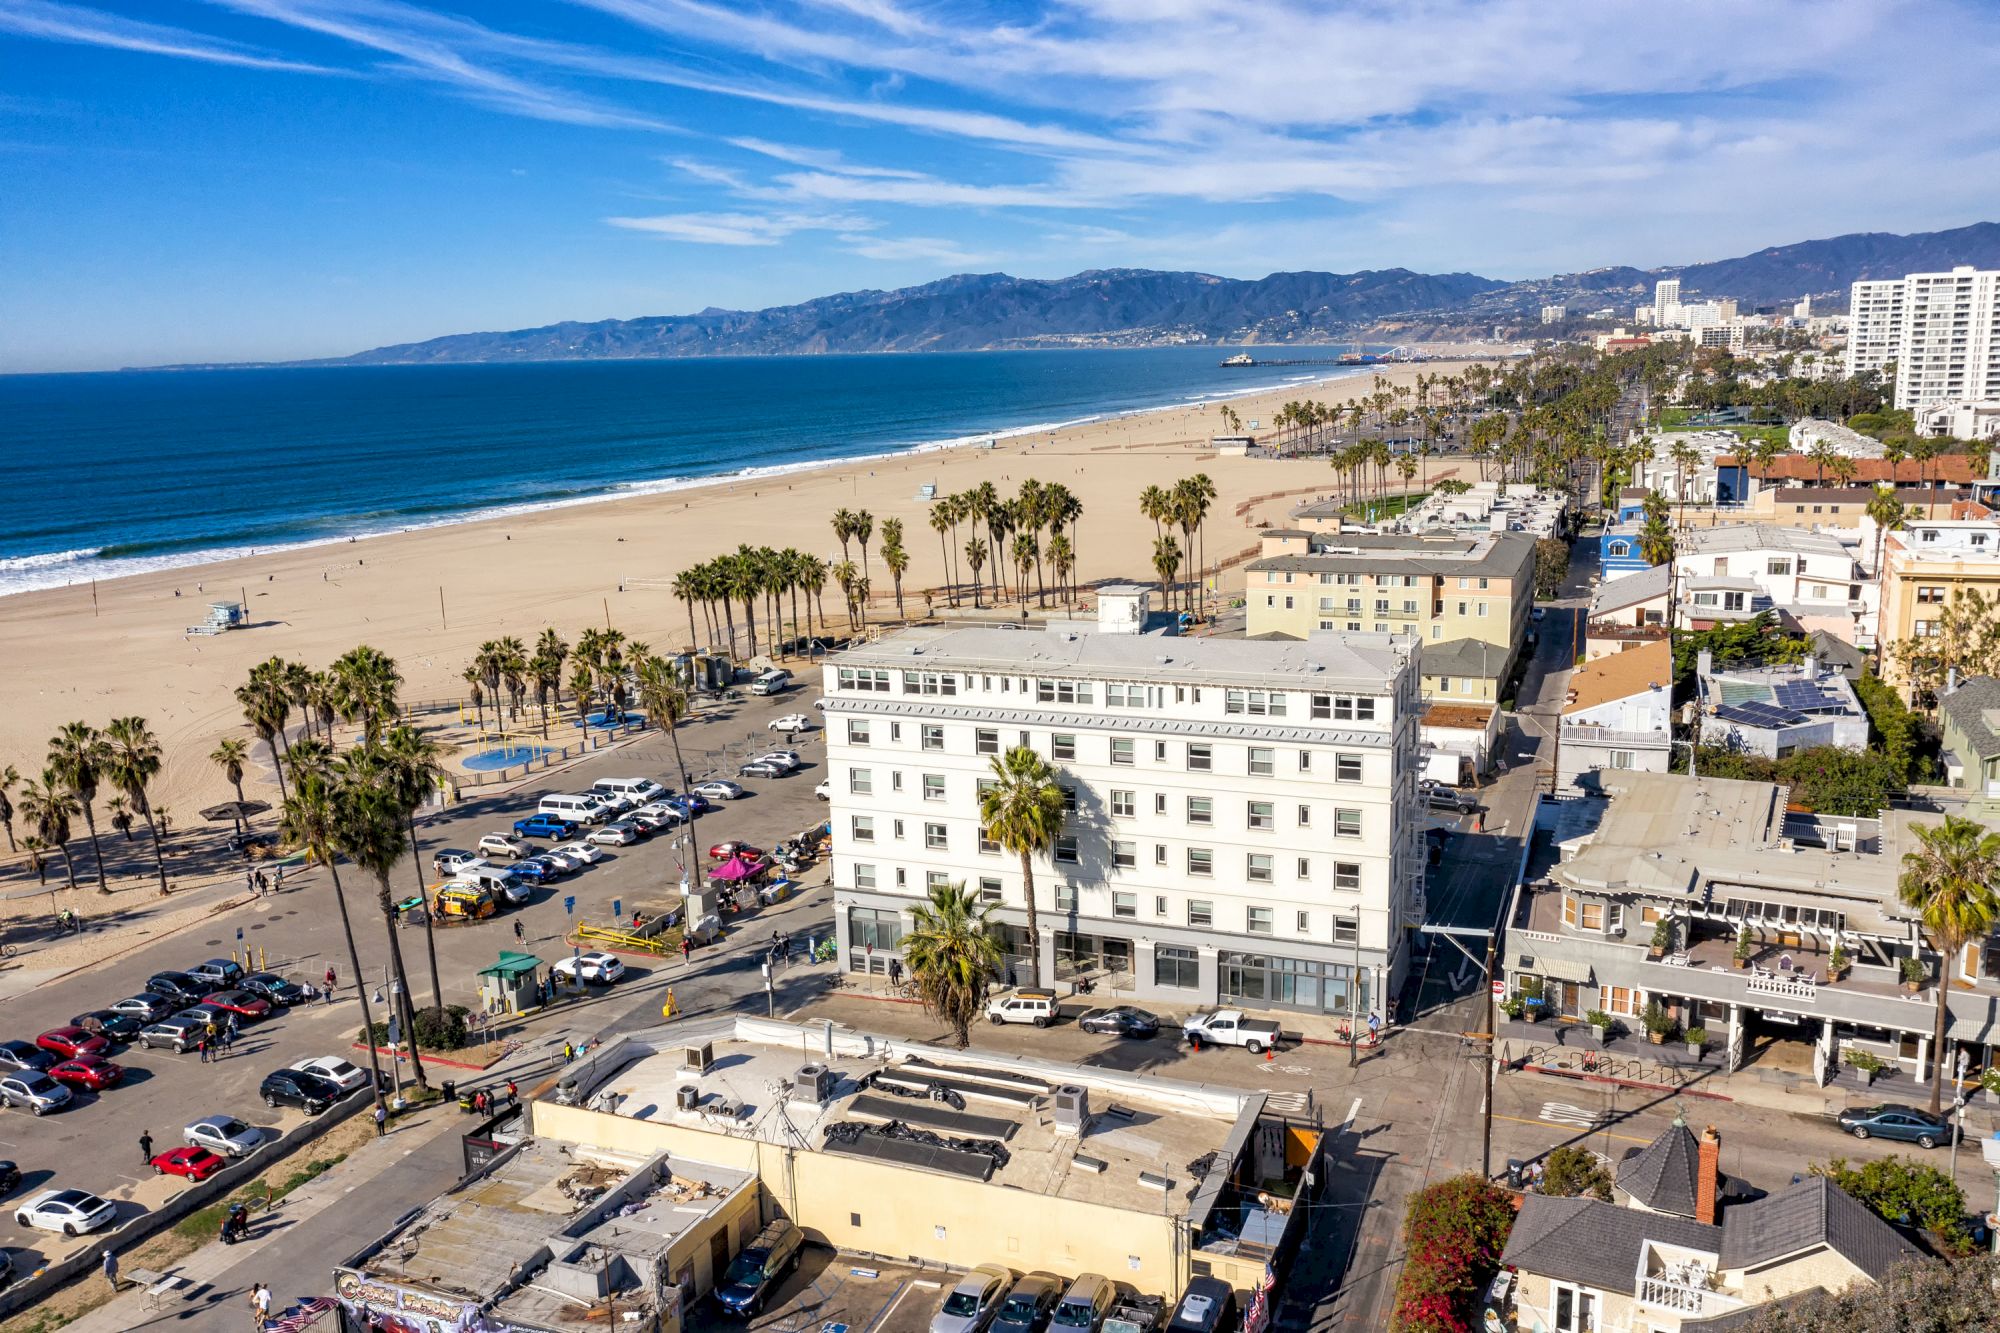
(162, 1289)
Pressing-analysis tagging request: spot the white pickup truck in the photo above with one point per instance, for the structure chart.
(1228, 1027)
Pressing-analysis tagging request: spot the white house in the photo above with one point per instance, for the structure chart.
(1732, 573)
(1618, 713)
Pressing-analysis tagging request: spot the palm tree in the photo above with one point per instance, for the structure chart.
(310, 756)
(1166, 563)
(745, 584)
(687, 589)
(413, 767)
(941, 523)
(1155, 504)
(1062, 560)
(229, 755)
(843, 529)
(975, 556)
(864, 528)
(1199, 494)
(475, 683)
(368, 830)
(846, 575)
(665, 700)
(9, 776)
(1948, 880)
(514, 673)
(37, 862)
(894, 556)
(48, 806)
(77, 753)
(545, 672)
(1022, 810)
(120, 811)
(134, 761)
(365, 681)
(1889, 513)
(812, 575)
(309, 819)
(952, 954)
(1027, 554)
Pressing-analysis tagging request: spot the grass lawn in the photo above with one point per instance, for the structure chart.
(1387, 507)
(1748, 434)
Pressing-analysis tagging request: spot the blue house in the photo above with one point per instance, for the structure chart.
(1618, 551)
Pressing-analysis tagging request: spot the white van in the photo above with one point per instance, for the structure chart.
(585, 809)
(499, 881)
(637, 791)
(775, 681)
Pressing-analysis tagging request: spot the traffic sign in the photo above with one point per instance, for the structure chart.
(395, 1031)
(569, 904)
(1499, 987)
(617, 909)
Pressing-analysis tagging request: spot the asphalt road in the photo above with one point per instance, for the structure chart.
(93, 1144)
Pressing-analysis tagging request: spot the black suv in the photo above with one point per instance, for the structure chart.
(274, 988)
(296, 1087)
(108, 1023)
(177, 986)
(24, 1055)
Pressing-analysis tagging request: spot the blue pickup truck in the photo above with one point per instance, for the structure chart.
(544, 826)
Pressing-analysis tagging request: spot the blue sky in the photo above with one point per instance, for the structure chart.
(232, 179)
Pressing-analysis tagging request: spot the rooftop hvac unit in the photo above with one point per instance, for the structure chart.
(1072, 1109)
(697, 1059)
(687, 1097)
(813, 1083)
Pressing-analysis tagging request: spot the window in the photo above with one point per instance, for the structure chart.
(1253, 703)
(896, 828)
(935, 879)
(1176, 967)
(1200, 758)
(1621, 758)
(1346, 875)
(986, 844)
(1200, 912)
(1347, 768)
(1131, 696)
(1159, 854)
(863, 828)
(986, 741)
(1121, 751)
(1124, 855)
(1305, 816)
(1200, 810)
(1065, 897)
(1302, 923)
(1930, 594)
(989, 889)
(1346, 929)
(933, 786)
(861, 781)
(1062, 691)
(864, 876)
(869, 927)
(1123, 804)
(1069, 797)
(1160, 748)
(1062, 745)
(1262, 761)
(929, 682)
(1257, 868)
(1159, 803)
(1200, 861)
(1781, 564)
(1576, 1310)
(1353, 708)
(1257, 920)
(864, 678)
(1065, 851)
(1305, 867)
(1125, 905)
(895, 779)
(1346, 823)
(1444, 684)
(933, 738)
(1319, 707)
(935, 838)
(1305, 761)
(1482, 610)
(1159, 904)
(1261, 816)
(857, 732)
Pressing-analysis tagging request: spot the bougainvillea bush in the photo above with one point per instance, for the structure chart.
(1452, 1237)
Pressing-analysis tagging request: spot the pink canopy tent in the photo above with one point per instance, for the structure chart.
(734, 869)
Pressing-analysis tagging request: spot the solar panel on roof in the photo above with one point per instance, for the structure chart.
(1762, 715)
(1797, 694)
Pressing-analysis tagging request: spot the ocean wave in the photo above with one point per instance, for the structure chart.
(13, 564)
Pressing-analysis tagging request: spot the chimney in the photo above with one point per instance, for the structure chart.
(1708, 1177)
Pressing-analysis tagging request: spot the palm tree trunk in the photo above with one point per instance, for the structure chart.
(417, 866)
(694, 639)
(360, 989)
(159, 852)
(1939, 1060)
(402, 1003)
(1034, 927)
(96, 852)
(69, 864)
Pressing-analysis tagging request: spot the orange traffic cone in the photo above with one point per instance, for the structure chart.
(1270, 1054)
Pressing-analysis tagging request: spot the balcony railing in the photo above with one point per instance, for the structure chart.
(1781, 984)
(1679, 1297)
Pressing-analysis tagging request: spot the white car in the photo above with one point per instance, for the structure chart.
(662, 811)
(619, 834)
(335, 1070)
(791, 722)
(583, 853)
(71, 1212)
(788, 759)
(825, 789)
(618, 802)
(223, 1135)
(820, 705)
(599, 968)
(721, 789)
(501, 844)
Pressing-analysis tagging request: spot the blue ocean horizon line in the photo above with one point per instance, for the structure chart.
(148, 469)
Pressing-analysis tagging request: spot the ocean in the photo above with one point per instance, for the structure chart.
(124, 472)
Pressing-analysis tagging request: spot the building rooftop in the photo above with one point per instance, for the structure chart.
(1734, 537)
(1491, 554)
(1456, 716)
(1948, 469)
(1631, 589)
(1665, 1175)
(1620, 676)
(1974, 707)
(1596, 1244)
(1807, 1215)
(1465, 657)
(1322, 660)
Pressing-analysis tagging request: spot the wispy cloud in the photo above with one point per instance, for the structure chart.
(740, 228)
(82, 25)
(904, 249)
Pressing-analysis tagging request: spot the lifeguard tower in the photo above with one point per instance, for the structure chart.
(221, 616)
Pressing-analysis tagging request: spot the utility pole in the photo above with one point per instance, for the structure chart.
(1492, 1062)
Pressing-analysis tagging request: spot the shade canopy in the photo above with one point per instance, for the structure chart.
(234, 812)
(734, 869)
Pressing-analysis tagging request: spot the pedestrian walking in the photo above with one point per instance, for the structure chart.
(520, 935)
(381, 1119)
(278, 881)
(687, 952)
(260, 1305)
(249, 876)
(145, 1146)
(569, 1052)
(513, 1093)
(203, 1044)
(111, 1269)
(330, 982)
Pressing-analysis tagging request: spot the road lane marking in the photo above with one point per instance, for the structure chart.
(1522, 1120)
(1352, 1112)
(1564, 1113)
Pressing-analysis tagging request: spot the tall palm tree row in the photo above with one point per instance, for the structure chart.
(77, 755)
(10, 777)
(1951, 879)
(48, 805)
(1021, 809)
(132, 761)
(750, 578)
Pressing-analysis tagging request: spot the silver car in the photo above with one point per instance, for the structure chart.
(970, 1305)
(35, 1091)
(223, 1135)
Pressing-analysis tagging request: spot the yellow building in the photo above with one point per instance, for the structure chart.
(1466, 599)
(1925, 566)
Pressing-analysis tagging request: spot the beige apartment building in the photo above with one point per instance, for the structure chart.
(1924, 566)
(1466, 599)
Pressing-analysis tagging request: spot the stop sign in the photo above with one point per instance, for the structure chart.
(1499, 987)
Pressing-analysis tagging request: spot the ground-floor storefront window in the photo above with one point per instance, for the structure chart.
(1080, 955)
(1263, 982)
(873, 937)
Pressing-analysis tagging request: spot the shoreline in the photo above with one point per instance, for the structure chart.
(83, 567)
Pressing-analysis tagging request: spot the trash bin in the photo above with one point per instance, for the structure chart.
(449, 1089)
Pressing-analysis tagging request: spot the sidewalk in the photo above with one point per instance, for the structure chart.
(109, 937)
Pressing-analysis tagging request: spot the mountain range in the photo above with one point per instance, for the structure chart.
(1145, 307)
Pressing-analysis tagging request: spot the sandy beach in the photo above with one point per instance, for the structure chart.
(430, 597)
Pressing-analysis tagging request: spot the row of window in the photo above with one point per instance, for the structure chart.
(1123, 803)
(1465, 584)
(1123, 751)
(1199, 912)
(1252, 703)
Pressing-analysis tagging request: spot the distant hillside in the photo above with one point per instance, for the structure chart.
(1144, 307)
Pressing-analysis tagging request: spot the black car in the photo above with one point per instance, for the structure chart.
(1120, 1021)
(10, 1176)
(24, 1055)
(108, 1023)
(147, 1008)
(176, 986)
(296, 1087)
(278, 990)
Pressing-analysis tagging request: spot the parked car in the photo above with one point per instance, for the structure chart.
(452, 860)
(1030, 1004)
(34, 1091)
(108, 1023)
(503, 844)
(597, 968)
(544, 826)
(211, 1016)
(195, 1164)
(89, 1073)
(216, 974)
(651, 822)
(1449, 799)
(824, 790)
(1231, 1027)
(146, 1008)
(763, 768)
(758, 1268)
(1905, 1124)
(336, 1071)
(244, 1003)
(640, 790)
(179, 1032)
(790, 724)
(1028, 1304)
(775, 681)
(72, 1212)
(581, 852)
(280, 991)
(223, 1134)
(468, 902)
(297, 1087)
(64, 1043)
(1120, 1021)
(1207, 1306)
(970, 1304)
(701, 797)
(789, 758)
(669, 812)
(178, 986)
(1083, 1306)
(538, 869)
(24, 1055)
(618, 833)
(722, 851)
(10, 1176)
(1133, 1313)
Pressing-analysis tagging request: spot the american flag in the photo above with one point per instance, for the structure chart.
(1259, 1315)
(300, 1317)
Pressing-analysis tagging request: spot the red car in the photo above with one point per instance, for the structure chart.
(722, 851)
(92, 1073)
(194, 1163)
(72, 1041)
(240, 1002)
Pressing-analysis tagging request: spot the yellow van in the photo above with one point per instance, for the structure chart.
(467, 901)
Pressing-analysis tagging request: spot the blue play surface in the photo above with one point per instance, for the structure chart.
(505, 756)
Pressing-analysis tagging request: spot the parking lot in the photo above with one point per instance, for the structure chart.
(94, 1143)
(838, 1291)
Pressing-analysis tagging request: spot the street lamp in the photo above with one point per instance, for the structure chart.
(1954, 1122)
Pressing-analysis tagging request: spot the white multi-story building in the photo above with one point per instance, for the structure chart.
(1554, 314)
(1667, 301)
(1942, 330)
(1243, 824)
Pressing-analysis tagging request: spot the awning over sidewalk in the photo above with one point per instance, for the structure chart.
(1559, 969)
